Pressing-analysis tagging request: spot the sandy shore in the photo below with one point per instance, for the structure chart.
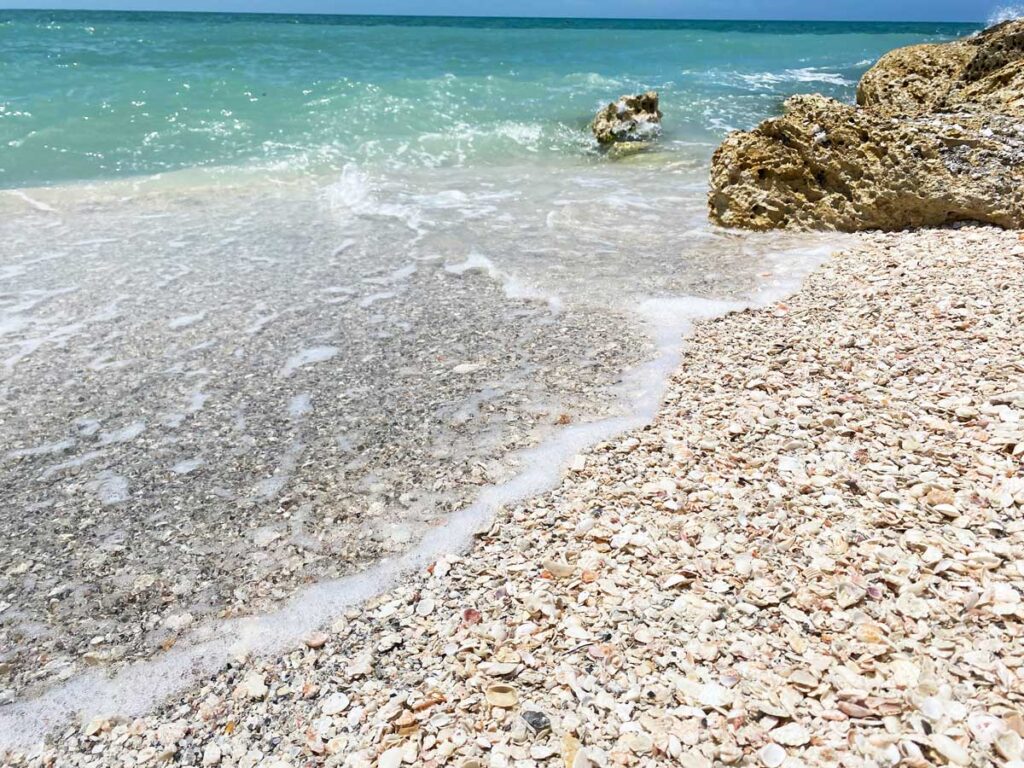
(814, 555)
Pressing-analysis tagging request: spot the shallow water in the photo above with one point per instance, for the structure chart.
(278, 298)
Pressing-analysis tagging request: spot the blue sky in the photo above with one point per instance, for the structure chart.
(903, 10)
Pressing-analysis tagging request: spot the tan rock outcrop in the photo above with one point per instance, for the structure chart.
(980, 73)
(904, 80)
(828, 165)
(938, 138)
(634, 118)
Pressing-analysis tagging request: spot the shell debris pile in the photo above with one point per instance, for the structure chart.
(813, 557)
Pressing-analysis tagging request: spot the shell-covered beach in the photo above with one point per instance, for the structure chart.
(813, 555)
(461, 436)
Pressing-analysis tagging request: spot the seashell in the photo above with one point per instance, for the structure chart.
(316, 640)
(391, 758)
(1009, 745)
(639, 743)
(772, 710)
(803, 678)
(574, 629)
(950, 750)
(743, 564)
(714, 695)
(570, 748)
(503, 696)
(558, 569)
(932, 708)
(498, 668)
(771, 755)
(855, 710)
(791, 735)
(848, 595)
(985, 728)
(693, 759)
(335, 704)
(912, 606)
(869, 632)
(1015, 722)
(508, 655)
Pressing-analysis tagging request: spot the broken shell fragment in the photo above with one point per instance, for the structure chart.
(503, 696)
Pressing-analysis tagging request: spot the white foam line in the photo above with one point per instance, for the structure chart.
(141, 686)
(514, 288)
(39, 206)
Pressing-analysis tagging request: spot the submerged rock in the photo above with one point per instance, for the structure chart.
(634, 118)
(937, 139)
(828, 165)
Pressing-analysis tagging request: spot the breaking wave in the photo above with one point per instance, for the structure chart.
(1006, 13)
(767, 80)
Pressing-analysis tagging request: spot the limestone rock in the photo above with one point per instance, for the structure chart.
(938, 138)
(827, 165)
(903, 81)
(634, 118)
(983, 73)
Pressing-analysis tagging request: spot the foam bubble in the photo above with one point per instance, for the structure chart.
(32, 202)
(123, 435)
(184, 321)
(368, 301)
(42, 450)
(77, 461)
(310, 356)
(188, 465)
(110, 487)
(271, 486)
(300, 405)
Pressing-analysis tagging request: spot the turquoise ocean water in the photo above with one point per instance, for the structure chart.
(97, 95)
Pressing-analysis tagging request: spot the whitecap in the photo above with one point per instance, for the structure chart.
(769, 80)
